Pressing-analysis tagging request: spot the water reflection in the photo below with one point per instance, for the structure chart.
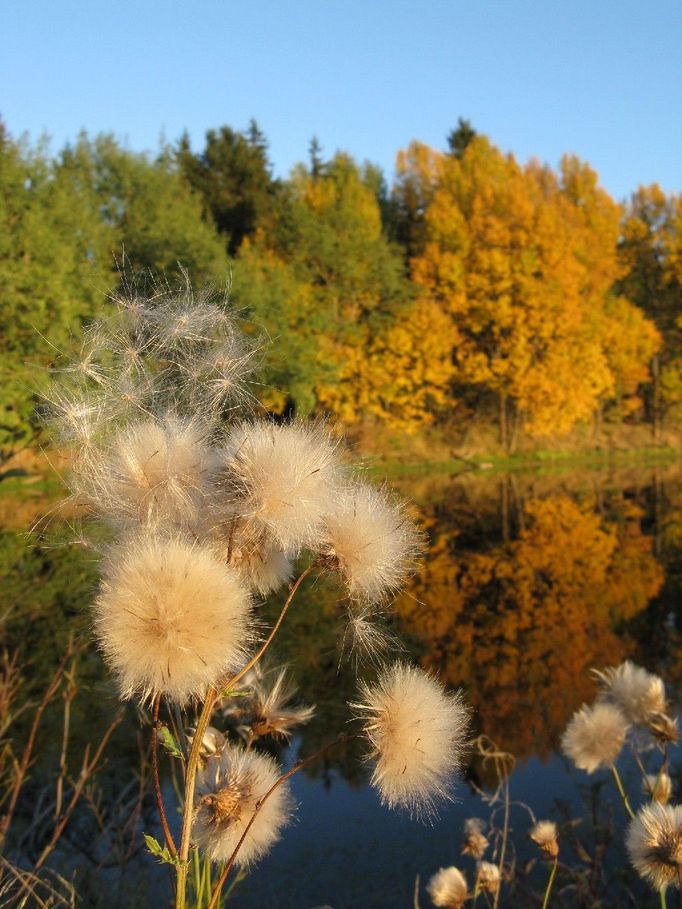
(529, 582)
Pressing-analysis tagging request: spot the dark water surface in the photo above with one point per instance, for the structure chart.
(529, 582)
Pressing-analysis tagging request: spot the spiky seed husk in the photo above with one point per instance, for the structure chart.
(417, 735)
(654, 844)
(228, 790)
(448, 888)
(595, 736)
(170, 617)
(658, 787)
(371, 541)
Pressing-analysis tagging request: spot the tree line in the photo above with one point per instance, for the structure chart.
(474, 288)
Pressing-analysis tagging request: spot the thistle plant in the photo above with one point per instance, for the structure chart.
(207, 508)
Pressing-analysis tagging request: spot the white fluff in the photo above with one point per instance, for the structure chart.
(595, 736)
(448, 888)
(417, 733)
(170, 617)
(654, 844)
(228, 790)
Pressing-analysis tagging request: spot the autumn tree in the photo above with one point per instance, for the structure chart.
(233, 177)
(650, 253)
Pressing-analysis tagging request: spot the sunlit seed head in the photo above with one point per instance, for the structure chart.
(367, 638)
(155, 472)
(228, 790)
(475, 842)
(262, 565)
(371, 541)
(637, 692)
(170, 618)
(658, 787)
(544, 834)
(281, 480)
(417, 734)
(448, 888)
(654, 844)
(488, 877)
(595, 736)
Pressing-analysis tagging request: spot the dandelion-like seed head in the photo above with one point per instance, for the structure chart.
(156, 472)
(475, 842)
(595, 736)
(544, 834)
(371, 541)
(417, 733)
(170, 617)
(654, 844)
(638, 693)
(448, 888)
(280, 480)
(228, 790)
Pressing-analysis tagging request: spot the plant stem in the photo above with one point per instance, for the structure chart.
(275, 628)
(619, 784)
(664, 904)
(545, 902)
(282, 779)
(197, 739)
(155, 774)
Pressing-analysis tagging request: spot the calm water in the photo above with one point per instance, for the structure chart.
(530, 581)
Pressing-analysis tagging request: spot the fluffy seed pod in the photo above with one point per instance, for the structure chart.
(229, 788)
(448, 888)
(595, 736)
(171, 618)
(544, 835)
(371, 541)
(638, 693)
(488, 877)
(654, 844)
(279, 480)
(417, 733)
(475, 843)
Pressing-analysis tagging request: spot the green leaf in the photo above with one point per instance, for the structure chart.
(169, 743)
(160, 852)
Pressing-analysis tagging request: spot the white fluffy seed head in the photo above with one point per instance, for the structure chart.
(170, 617)
(654, 844)
(228, 790)
(544, 834)
(448, 888)
(638, 693)
(595, 736)
(154, 472)
(280, 480)
(371, 541)
(417, 733)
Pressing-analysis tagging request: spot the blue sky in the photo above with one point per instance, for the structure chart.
(601, 79)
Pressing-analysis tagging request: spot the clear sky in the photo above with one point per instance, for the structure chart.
(599, 78)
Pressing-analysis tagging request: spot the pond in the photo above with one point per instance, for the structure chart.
(530, 581)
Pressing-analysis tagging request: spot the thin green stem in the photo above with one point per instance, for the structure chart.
(664, 904)
(545, 902)
(619, 784)
(197, 739)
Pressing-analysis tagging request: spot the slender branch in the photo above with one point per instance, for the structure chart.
(275, 628)
(619, 784)
(198, 737)
(87, 769)
(155, 776)
(545, 902)
(299, 765)
(22, 768)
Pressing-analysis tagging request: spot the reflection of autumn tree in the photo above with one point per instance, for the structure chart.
(521, 624)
